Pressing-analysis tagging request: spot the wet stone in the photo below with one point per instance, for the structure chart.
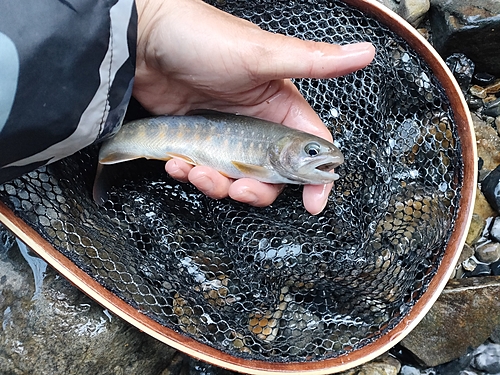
(468, 27)
(495, 268)
(476, 229)
(492, 108)
(495, 229)
(487, 358)
(483, 79)
(481, 269)
(413, 11)
(383, 365)
(462, 68)
(491, 188)
(464, 316)
(57, 330)
(489, 252)
(482, 208)
(488, 143)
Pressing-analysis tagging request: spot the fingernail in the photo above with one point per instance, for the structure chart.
(357, 47)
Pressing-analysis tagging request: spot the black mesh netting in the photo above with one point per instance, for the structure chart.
(276, 283)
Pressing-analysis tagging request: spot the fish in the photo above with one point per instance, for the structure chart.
(235, 145)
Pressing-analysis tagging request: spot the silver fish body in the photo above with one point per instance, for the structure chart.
(236, 146)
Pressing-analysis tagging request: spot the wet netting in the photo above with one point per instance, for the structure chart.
(276, 283)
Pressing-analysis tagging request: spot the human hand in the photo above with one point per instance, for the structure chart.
(191, 55)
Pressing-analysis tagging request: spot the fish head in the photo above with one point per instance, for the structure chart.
(305, 159)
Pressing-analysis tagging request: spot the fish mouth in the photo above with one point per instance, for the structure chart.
(322, 169)
(327, 164)
(327, 167)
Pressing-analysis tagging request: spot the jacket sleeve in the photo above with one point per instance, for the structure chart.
(66, 76)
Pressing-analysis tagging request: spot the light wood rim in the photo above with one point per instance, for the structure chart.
(206, 353)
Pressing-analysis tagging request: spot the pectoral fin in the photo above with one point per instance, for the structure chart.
(252, 170)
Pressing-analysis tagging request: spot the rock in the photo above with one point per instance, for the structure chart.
(488, 252)
(495, 229)
(483, 79)
(464, 315)
(462, 68)
(469, 265)
(482, 208)
(476, 229)
(492, 108)
(481, 269)
(409, 370)
(487, 358)
(383, 365)
(495, 335)
(468, 27)
(61, 331)
(488, 143)
(413, 11)
(466, 253)
(495, 268)
(490, 187)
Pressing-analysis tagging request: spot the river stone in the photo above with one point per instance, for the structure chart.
(413, 11)
(489, 252)
(464, 316)
(490, 187)
(476, 229)
(468, 27)
(487, 358)
(60, 331)
(383, 365)
(488, 143)
(482, 207)
(495, 229)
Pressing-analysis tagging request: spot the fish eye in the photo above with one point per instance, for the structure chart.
(312, 149)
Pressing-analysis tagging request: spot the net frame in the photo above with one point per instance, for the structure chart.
(367, 352)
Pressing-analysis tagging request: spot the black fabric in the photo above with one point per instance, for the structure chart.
(61, 45)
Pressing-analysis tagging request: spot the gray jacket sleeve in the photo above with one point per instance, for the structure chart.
(66, 75)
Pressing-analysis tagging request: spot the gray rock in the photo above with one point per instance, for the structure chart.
(464, 316)
(413, 11)
(487, 358)
(488, 252)
(58, 330)
(468, 27)
(495, 229)
(492, 108)
(409, 370)
(490, 187)
(383, 365)
(462, 68)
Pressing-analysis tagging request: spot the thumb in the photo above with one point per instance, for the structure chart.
(288, 57)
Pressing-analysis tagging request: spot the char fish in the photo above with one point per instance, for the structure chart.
(236, 146)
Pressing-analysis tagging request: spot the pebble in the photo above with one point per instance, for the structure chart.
(476, 229)
(495, 268)
(481, 269)
(495, 229)
(487, 358)
(488, 252)
(462, 68)
(469, 265)
(492, 108)
(490, 187)
(409, 370)
(483, 79)
(474, 103)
